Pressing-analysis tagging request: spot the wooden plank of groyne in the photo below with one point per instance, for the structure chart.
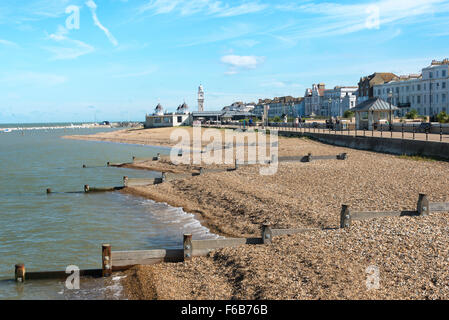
(373, 214)
(280, 232)
(132, 182)
(145, 257)
(439, 206)
(46, 275)
(380, 214)
(203, 247)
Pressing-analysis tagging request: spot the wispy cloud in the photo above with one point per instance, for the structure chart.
(236, 63)
(333, 19)
(71, 48)
(208, 7)
(223, 33)
(93, 8)
(8, 43)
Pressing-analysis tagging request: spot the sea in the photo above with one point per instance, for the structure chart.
(49, 232)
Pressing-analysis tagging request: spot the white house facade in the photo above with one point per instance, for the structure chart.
(427, 93)
(336, 101)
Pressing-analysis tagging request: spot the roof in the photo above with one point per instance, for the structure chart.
(230, 114)
(374, 104)
(206, 113)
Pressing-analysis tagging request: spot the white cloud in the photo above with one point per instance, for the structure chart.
(247, 62)
(71, 48)
(237, 63)
(207, 7)
(93, 8)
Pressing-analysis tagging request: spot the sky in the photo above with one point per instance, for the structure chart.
(115, 60)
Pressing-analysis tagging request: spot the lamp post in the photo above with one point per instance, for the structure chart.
(390, 96)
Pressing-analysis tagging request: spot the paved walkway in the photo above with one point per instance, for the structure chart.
(379, 134)
(360, 133)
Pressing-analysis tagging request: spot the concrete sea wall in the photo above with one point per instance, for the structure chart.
(386, 145)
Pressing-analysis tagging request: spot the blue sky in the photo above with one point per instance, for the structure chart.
(128, 55)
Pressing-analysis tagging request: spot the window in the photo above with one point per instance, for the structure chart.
(443, 98)
(419, 87)
(443, 73)
(179, 118)
(430, 75)
(418, 98)
(408, 88)
(443, 84)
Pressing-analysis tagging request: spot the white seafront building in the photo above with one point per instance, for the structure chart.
(336, 101)
(427, 92)
(160, 119)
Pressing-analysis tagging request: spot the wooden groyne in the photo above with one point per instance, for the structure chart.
(113, 261)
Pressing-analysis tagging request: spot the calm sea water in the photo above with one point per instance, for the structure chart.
(50, 232)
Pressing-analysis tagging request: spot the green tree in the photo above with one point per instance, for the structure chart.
(276, 119)
(443, 117)
(413, 114)
(348, 114)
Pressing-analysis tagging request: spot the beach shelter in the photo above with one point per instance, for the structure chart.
(369, 113)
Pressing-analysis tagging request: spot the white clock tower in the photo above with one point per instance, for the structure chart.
(200, 99)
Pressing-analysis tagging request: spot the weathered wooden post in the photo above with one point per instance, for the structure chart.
(345, 217)
(423, 205)
(164, 176)
(201, 170)
(20, 272)
(125, 181)
(267, 236)
(187, 245)
(180, 153)
(236, 164)
(48, 190)
(309, 157)
(108, 164)
(84, 166)
(86, 188)
(106, 260)
(134, 158)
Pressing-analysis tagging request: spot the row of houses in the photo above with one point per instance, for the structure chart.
(426, 92)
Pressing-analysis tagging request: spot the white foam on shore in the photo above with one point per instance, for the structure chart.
(179, 220)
